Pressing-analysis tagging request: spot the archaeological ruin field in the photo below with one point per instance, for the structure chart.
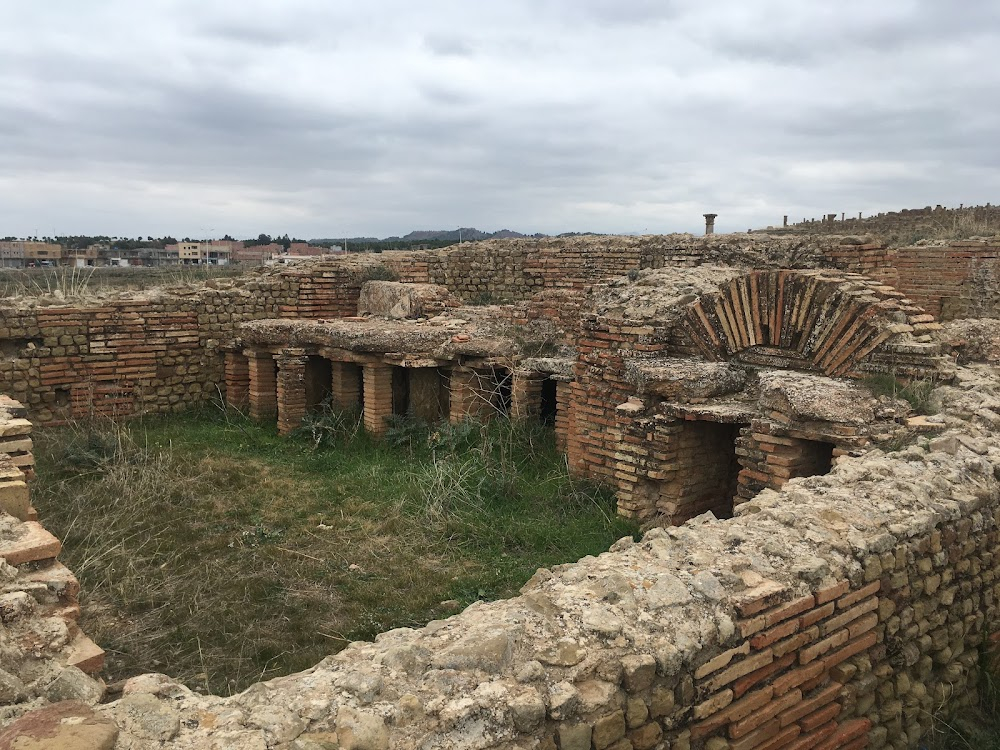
(733, 492)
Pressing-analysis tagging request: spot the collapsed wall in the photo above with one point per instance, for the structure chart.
(44, 656)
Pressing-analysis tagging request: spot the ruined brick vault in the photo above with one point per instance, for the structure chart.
(821, 565)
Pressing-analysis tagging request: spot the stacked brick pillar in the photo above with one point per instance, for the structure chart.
(263, 394)
(291, 390)
(467, 396)
(526, 397)
(564, 393)
(345, 387)
(237, 373)
(378, 397)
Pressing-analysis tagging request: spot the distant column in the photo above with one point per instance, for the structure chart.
(291, 390)
(710, 223)
(378, 397)
(263, 394)
(785, 224)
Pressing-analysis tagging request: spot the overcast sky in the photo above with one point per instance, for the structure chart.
(326, 118)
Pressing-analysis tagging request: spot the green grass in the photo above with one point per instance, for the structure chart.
(919, 394)
(212, 549)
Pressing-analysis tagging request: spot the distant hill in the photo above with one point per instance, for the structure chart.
(465, 233)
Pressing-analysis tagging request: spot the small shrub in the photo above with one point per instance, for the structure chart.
(90, 447)
(482, 298)
(404, 431)
(453, 438)
(919, 394)
(328, 426)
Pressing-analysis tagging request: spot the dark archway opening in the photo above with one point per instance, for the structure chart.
(400, 391)
(549, 406)
(428, 394)
(503, 391)
(318, 376)
(706, 472)
(816, 459)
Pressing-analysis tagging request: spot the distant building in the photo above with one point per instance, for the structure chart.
(305, 250)
(21, 253)
(213, 253)
(256, 255)
(139, 256)
(42, 253)
(84, 257)
(11, 254)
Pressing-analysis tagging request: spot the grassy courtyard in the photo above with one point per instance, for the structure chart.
(214, 550)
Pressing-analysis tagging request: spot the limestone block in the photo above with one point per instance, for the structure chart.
(67, 725)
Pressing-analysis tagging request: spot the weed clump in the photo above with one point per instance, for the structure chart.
(327, 426)
(919, 393)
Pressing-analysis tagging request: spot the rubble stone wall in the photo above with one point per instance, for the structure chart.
(163, 351)
(838, 612)
(44, 656)
(154, 352)
(511, 270)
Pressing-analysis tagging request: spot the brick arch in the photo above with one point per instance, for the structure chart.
(821, 321)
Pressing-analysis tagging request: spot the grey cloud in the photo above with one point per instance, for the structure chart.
(620, 13)
(449, 45)
(321, 118)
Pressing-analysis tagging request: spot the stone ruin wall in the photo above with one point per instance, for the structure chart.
(836, 611)
(44, 656)
(957, 280)
(157, 352)
(164, 352)
(839, 612)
